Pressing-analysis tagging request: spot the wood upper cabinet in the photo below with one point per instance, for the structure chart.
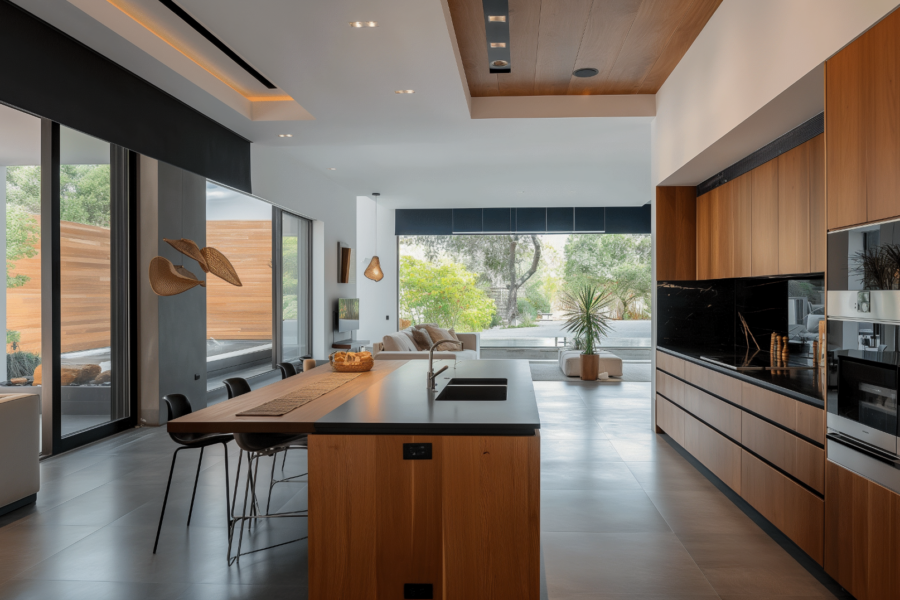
(741, 199)
(881, 115)
(721, 233)
(845, 142)
(676, 233)
(817, 219)
(703, 262)
(793, 211)
(764, 219)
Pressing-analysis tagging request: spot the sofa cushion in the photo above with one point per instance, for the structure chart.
(423, 340)
(438, 334)
(398, 342)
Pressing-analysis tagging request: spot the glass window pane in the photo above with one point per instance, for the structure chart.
(238, 319)
(21, 195)
(295, 241)
(86, 353)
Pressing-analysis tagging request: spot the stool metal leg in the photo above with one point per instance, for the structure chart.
(162, 513)
(194, 494)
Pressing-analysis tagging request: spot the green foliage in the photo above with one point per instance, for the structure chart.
(21, 364)
(619, 263)
(585, 311)
(13, 337)
(444, 293)
(84, 198)
(23, 233)
(507, 260)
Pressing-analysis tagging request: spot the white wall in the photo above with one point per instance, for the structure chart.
(749, 53)
(377, 300)
(282, 180)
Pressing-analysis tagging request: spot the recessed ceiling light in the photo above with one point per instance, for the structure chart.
(405, 92)
(285, 135)
(497, 19)
(358, 24)
(332, 168)
(500, 63)
(498, 44)
(586, 72)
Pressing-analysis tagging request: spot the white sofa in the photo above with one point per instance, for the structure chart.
(20, 431)
(391, 348)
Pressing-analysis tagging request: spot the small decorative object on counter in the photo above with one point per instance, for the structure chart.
(352, 362)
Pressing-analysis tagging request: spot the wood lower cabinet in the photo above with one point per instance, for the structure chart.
(862, 535)
(794, 510)
(781, 474)
(465, 521)
(719, 454)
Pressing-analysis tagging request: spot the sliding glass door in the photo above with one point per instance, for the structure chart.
(293, 312)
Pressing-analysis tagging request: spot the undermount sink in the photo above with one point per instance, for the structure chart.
(474, 389)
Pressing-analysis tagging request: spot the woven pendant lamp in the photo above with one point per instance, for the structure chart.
(220, 266)
(167, 280)
(189, 248)
(373, 271)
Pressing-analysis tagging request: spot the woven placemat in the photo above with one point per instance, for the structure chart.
(297, 398)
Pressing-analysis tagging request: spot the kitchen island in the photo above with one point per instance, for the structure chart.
(411, 495)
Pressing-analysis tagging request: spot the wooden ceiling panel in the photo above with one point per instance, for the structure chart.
(524, 19)
(604, 36)
(468, 24)
(696, 14)
(634, 44)
(559, 37)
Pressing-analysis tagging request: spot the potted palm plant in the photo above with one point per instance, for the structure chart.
(585, 312)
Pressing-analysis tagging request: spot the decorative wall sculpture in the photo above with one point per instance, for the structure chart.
(167, 279)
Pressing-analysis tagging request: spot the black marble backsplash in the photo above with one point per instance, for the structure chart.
(706, 314)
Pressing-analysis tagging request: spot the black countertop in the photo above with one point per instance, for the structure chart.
(401, 403)
(799, 385)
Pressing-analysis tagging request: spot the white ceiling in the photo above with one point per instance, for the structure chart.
(417, 150)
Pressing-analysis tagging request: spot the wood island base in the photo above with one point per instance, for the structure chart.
(392, 517)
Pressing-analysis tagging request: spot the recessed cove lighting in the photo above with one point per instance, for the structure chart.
(285, 135)
(405, 92)
(586, 72)
(358, 24)
(498, 44)
(499, 64)
(497, 18)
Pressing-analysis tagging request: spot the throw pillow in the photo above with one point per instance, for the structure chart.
(455, 337)
(437, 334)
(423, 340)
(410, 341)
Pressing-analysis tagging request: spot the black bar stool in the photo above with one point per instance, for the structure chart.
(177, 405)
(287, 369)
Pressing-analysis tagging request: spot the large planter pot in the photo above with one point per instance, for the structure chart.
(590, 367)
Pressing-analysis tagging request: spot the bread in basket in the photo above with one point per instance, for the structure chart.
(352, 362)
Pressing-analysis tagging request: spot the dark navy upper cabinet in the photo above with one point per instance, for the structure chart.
(628, 219)
(590, 219)
(423, 221)
(560, 220)
(497, 220)
(467, 220)
(531, 220)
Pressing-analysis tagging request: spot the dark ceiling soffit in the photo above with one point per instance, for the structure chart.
(505, 221)
(793, 138)
(57, 77)
(184, 16)
(498, 33)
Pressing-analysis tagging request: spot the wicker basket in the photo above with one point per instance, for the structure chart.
(362, 366)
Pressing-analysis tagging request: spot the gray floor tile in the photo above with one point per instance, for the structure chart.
(567, 475)
(577, 450)
(597, 511)
(622, 563)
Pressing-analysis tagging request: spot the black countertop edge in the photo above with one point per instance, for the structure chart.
(749, 378)
(420, 429)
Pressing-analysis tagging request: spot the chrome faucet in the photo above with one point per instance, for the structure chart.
(431, 374)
